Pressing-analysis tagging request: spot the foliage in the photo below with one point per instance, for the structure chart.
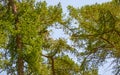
(98, 33)
(25, 38)
(24, 35)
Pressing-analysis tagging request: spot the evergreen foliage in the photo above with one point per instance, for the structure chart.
(98, 34)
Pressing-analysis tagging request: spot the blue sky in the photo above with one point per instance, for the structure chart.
(105, 69)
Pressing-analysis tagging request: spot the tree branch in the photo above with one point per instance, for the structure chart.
(11, 4)
(107, 41)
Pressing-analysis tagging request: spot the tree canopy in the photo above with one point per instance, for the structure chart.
(25, 38)
(98, 33)
(27, 48)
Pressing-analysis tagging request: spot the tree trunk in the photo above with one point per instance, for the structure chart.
(20, 62)
(20, 66)
(53, 69)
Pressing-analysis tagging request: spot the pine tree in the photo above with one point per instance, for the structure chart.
(26, 47)
(23, 25)
(98, 33)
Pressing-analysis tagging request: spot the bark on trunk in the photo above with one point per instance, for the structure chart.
(20, 62)
(53, 69)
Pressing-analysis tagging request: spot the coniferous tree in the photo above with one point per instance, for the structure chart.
(98, 33)
(26, 47)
